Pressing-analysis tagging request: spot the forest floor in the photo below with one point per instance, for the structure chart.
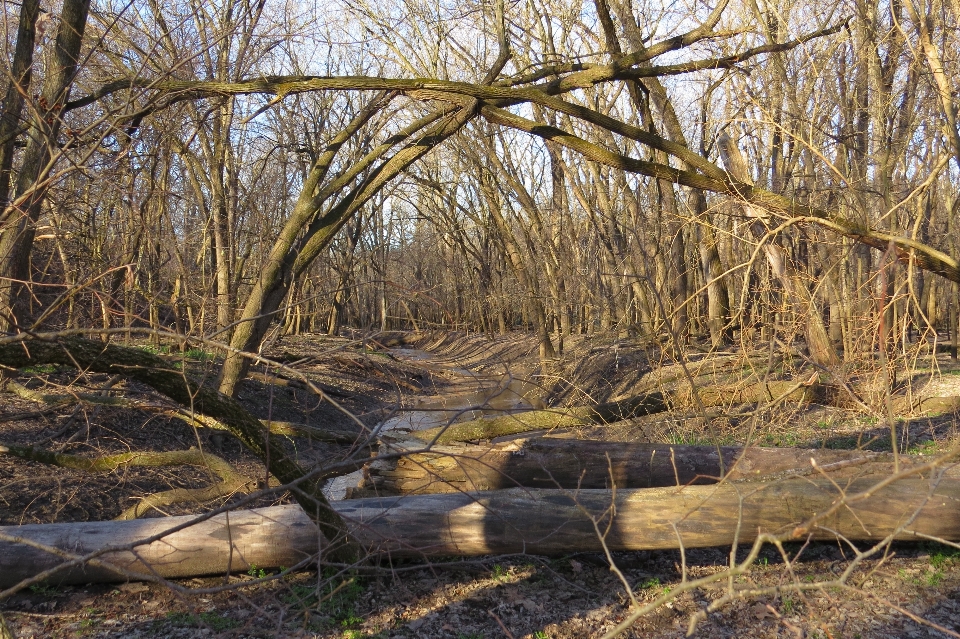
(890, 594)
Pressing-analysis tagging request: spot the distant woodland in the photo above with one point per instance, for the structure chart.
(720, 172)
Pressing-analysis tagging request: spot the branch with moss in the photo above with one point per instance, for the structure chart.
(612, 412)
(286, 429)
(231, 481)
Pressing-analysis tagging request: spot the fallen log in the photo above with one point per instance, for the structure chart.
(547, 522)
(566, 463)
(280, 380)
(611, 412)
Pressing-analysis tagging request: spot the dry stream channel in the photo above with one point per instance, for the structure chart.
(471, 395)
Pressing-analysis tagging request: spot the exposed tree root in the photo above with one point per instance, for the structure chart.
(231, 480)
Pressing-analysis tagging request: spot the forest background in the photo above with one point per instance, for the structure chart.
(685, 176)
(196, 167)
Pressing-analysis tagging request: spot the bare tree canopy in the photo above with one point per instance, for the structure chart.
(775, 181)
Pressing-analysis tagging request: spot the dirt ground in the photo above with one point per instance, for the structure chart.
(903, 590)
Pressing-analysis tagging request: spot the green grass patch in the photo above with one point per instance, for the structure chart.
(688, 439)
(162, 349)
(212, 619)
(782, 440)
(787, 605)
(40, 369)
(928, 447)
(199, 355)
(44, 590)
(650, 584)
(336, 598)
(942, 556)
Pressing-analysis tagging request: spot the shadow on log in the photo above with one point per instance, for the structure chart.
(545, 522)
(566, 463)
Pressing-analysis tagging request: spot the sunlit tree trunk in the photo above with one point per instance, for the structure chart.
(16, 241)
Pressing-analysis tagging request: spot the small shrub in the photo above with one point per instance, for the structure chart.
(335, 599)
(923, 448)
(351, 620)
(787, 604)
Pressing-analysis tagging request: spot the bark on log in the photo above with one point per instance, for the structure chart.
(565, 463)
(610, 412)
(529, 521)
(268, 537)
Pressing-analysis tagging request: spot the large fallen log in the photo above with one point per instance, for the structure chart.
(518, 520)
(568, 463)
(611, 412)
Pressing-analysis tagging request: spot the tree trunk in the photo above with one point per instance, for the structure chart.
(523, 520)
(570, 463)
(19, 87)
(815, 333)
(16, 241)
(306, 234)
(718, 299)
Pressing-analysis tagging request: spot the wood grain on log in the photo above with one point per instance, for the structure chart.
(267, 537)
(566, 463)
(518, 520)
